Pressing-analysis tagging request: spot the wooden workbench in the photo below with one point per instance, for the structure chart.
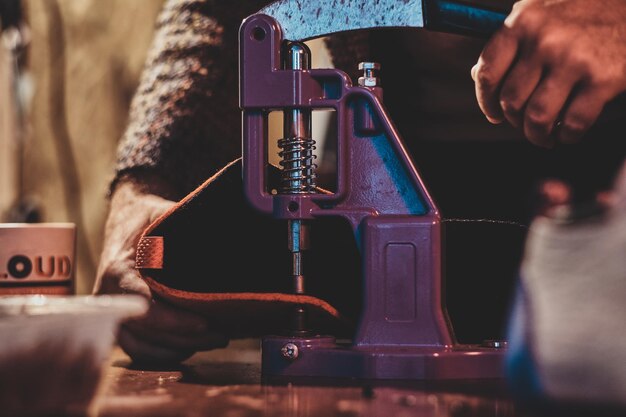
(227, 382)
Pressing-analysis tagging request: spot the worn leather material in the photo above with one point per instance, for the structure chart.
(213, 254)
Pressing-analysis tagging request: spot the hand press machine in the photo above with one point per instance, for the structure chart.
(404, 331)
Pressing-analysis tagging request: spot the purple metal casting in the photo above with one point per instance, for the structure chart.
(404, 331)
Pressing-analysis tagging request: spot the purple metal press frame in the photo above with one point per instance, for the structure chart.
(404, 331)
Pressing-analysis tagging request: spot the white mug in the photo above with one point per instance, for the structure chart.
(37, 258)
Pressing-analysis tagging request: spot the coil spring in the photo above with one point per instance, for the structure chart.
(298, 173)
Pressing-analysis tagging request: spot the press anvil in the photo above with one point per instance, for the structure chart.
(404, 331)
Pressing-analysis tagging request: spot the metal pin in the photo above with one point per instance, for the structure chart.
(370, 74)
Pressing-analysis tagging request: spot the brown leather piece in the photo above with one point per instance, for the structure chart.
(211, 253)
(241, 315)
(149, 253)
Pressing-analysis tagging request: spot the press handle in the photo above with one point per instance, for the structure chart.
(463, 18)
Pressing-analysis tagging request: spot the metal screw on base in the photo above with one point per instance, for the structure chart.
(290, 351)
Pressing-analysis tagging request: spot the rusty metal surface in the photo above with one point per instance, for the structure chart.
(303, 19)
(228, 383)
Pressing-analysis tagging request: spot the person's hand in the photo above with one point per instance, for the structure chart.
(553, 66)
(165, 333)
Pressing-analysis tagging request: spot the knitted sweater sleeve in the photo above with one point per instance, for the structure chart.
(184, 120)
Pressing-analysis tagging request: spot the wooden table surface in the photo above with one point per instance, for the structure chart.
(228, 383)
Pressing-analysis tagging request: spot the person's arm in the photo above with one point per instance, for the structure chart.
(166, 333)
(184, 125)
(553, 66)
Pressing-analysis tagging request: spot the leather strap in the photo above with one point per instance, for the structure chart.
(149, 253)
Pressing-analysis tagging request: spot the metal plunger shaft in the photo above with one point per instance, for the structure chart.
(298, 176)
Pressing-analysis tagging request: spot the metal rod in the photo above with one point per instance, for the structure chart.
(298, 176)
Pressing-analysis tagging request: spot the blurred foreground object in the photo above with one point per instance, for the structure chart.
(567, 339)
(54, 348)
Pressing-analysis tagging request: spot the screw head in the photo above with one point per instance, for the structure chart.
(290, 351)
(369, 66)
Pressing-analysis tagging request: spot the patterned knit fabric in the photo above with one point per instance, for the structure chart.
(184, 120)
